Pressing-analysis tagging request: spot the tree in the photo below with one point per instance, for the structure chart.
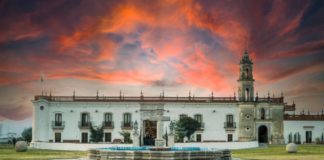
(96, 134)
(27, 134)
(126, 136)
(185, 127)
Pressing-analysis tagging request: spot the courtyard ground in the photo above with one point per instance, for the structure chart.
(272, 152)
(278, 152)
(7, 152)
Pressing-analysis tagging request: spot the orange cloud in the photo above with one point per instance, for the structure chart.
(198, 70)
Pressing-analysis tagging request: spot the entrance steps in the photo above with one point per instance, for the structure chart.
(263, 145)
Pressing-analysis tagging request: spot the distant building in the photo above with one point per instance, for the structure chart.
(245, 117)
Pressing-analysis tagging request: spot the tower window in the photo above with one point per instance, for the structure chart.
(247, 73)
(247, 94)
(262, 113)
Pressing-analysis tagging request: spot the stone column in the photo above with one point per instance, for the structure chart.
(159, 141)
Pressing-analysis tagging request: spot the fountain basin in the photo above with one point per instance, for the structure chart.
(145, 153)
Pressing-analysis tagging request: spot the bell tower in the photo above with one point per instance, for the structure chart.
(246, 81)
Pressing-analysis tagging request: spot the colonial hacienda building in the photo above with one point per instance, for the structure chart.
(242, 118)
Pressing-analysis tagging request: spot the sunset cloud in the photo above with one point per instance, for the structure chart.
(159, 44)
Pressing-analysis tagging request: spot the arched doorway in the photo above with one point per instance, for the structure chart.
(263, 134)
(149, 132)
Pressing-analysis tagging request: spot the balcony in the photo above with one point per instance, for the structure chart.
(202, 126)
(84, 125)
(108, 124)
(58, 124)
(230, 126)
(127, 125)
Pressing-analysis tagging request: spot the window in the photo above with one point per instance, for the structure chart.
(229, 120)
(247, 93)
(182, 116)
(262, 113)
(85, 118)
(127, 119)
(198, 117)
(108, 117)
(107, 137)
(230, 138)
(198, 137)
(58, 119)
(57, 137)
(84, 137)
(108, 120)
(308, 136)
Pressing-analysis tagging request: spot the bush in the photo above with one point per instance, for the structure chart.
(185, 127)
(126, 136)
(96, 134)
(27, 134)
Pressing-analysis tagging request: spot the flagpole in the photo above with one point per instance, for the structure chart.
(42, 82)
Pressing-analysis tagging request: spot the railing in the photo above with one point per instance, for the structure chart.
(127, 125)
(84, 125)
(229, 125)
(270, 100)
(108, 124)
(202, 126)
(304, 117)
(58, 124)
(290, 107)
(154, 99)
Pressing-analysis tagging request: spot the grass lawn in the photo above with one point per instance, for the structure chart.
(7, 152)
(273, 152)
(276, 152)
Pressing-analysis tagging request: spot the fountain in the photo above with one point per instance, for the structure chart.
(158, 152)
(144, 153)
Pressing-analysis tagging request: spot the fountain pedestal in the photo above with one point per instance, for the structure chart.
(159, 142)
(170, 140)
(136, 140)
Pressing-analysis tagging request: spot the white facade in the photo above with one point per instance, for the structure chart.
(246, 118)
(294, 127)
(213, 118)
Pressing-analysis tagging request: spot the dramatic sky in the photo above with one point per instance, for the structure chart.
(175, 46)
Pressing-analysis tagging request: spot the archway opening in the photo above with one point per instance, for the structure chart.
(263, 134)
(149, 132)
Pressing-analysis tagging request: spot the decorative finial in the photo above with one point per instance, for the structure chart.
(163, 93)
(97, 96)
(120, 94)
(268, 94)
(74, 93)
(142, 95)
(50, 94)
